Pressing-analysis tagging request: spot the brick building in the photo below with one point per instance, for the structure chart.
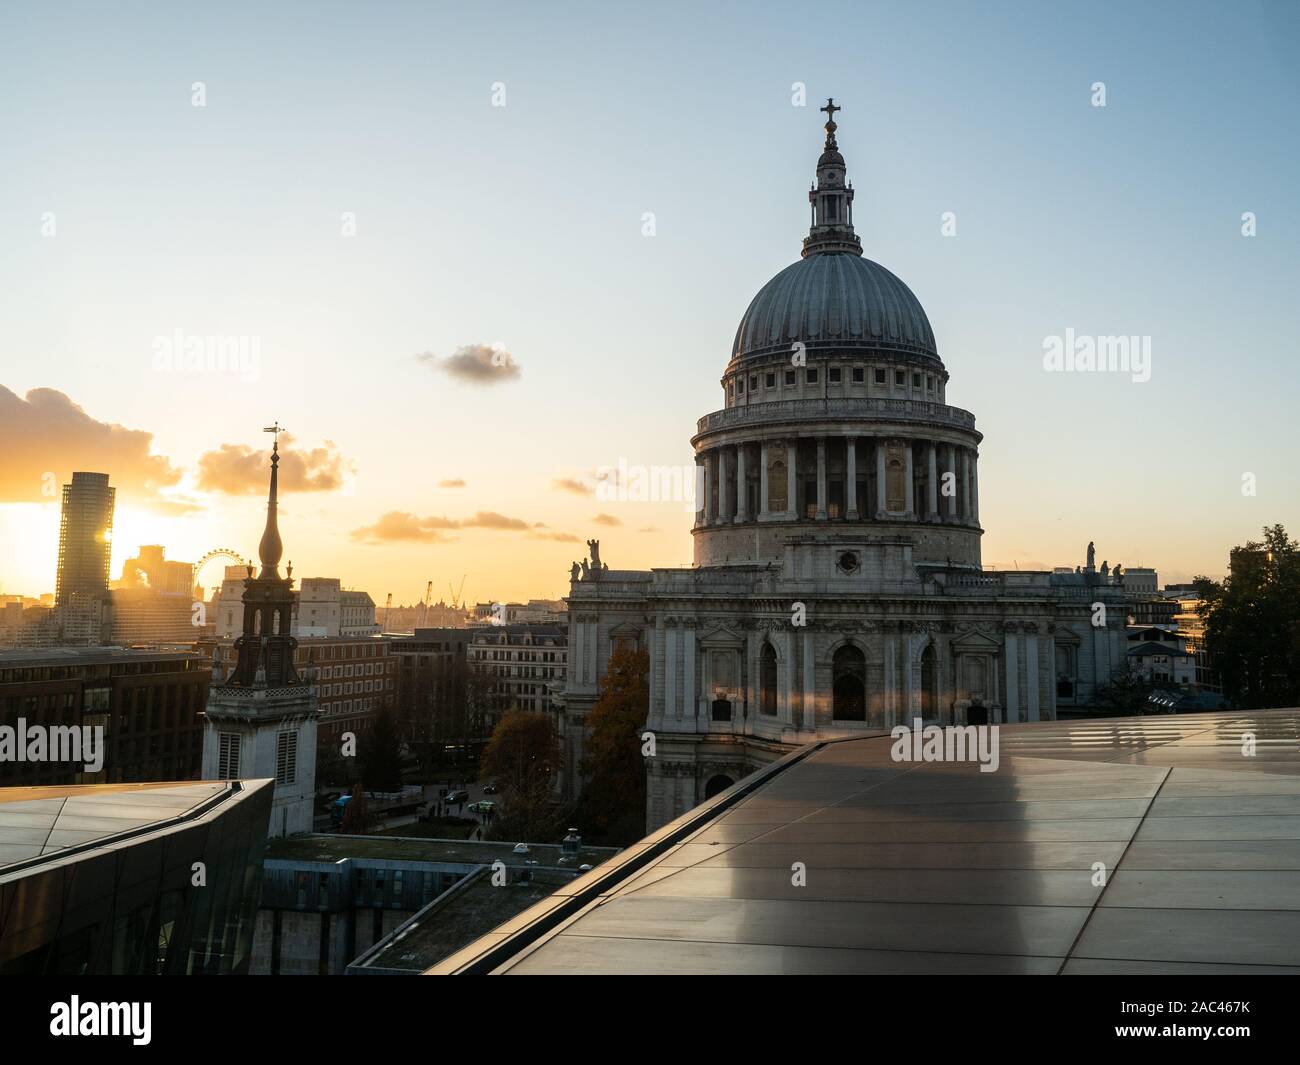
(148, 702)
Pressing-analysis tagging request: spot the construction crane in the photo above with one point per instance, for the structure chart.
(455, 596)
(428, 595)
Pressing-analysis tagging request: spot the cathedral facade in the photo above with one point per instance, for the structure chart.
(837, 585)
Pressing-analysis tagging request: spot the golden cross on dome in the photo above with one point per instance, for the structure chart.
(830, 109)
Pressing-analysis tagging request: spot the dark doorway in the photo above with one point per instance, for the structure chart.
(717, 785)
(767, 680)
(929, 684)
(849, 686)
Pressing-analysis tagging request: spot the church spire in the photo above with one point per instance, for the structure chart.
(266, 648)
(831, 199)
(270, 549)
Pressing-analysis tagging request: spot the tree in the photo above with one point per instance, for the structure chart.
(522, 757)
(613, 801)
(1252, 622)
(381, 754)
(332, 767)
(1126, 693)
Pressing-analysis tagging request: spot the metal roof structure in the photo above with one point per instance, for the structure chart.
(1166, 844)
(40, 823)
(836, 301)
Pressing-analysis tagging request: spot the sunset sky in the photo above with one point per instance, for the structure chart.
(498, 326)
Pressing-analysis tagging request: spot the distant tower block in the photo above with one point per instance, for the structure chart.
(85, 537)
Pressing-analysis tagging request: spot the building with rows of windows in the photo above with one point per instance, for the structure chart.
(837, 586)
(356, 677)
(526, 664)
(149, 703)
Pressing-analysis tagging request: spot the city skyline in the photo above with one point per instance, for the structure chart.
(352, 286)
(612, 489)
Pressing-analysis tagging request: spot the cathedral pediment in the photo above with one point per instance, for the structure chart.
(976, 641)
(721, 638)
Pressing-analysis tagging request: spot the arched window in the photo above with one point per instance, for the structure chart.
(929, 684)
(717, 785)
(849, 688)
(895, 485)
(776, 486)
(767, 680)
(1066, 671)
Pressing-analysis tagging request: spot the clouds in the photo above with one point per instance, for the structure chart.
(45, 436)
(569, 484)
(558, 537)
(452, 482)
(602, 482)
(475, 364)
(399, 526)
(606, 519)
(237, 469)
(490, 519)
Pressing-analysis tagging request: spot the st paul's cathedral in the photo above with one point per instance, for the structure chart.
(837, 586)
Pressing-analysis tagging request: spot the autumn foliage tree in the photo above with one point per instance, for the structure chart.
(1252, 622)
(522, 757)
(613, 801)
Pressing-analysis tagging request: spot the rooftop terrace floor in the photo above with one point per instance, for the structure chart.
(1163, 844)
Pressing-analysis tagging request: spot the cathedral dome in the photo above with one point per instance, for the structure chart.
(838, 301)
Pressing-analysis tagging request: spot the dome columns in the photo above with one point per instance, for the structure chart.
(742, 486)
(819, 512)
(932, 480)
(851, 479)
(721, 505)
(838, 476)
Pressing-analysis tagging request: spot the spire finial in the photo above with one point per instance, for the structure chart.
(831, 127)
(831, 199)
(270, 549)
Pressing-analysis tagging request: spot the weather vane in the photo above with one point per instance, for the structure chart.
(277, 429)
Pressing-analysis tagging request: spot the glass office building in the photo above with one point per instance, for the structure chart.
(134, 879)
